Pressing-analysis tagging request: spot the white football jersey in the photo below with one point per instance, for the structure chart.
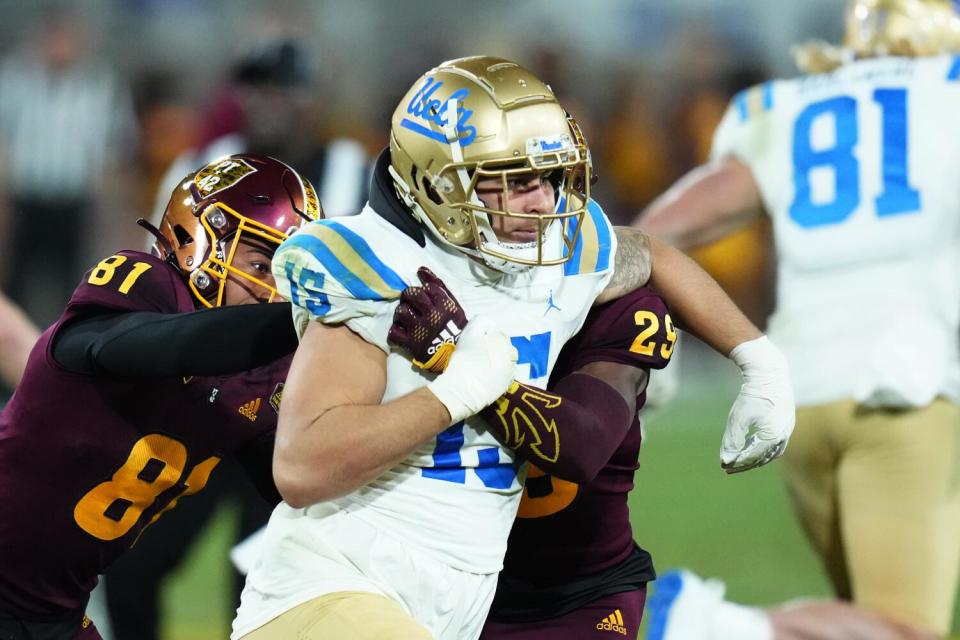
(456, 497)
(859, 170)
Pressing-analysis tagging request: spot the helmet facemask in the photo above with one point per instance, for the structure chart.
(562, 169)
(209, 281)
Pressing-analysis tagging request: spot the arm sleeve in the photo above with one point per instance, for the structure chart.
(569, 433)
(572, 430)
(142, 344)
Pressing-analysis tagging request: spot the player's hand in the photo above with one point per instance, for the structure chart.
(480, 370)
(427, 323)
(763, 415)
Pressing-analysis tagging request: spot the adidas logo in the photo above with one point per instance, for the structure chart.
(451, 333)
(613, 622)
(249, 410)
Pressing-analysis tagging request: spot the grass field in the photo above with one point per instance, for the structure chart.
(685, 511)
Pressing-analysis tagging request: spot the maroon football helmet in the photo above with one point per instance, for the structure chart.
(248, 196)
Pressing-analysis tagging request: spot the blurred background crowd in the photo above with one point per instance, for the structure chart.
(100, 98)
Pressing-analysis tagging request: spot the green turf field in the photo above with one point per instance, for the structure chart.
(685, 511)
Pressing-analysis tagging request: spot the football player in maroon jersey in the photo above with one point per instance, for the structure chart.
(131, 399)
(572, 569)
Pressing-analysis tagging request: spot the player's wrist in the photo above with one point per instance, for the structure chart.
(759, 357)
(445, 389)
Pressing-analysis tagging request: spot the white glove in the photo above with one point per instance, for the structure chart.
(762, 417)
(480, 370)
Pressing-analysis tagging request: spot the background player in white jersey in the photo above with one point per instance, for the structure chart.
(398, 501)
(857, 165)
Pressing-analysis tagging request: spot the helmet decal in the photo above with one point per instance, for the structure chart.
(220, 175)
(425, 109)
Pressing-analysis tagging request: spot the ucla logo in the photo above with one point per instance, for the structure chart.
(425, 109)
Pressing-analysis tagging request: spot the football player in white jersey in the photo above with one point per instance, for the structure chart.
(857, 165)
(398, 502)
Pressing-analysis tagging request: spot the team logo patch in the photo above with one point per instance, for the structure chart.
(613, 622)
(276, 397)
(221, 175)
(250, 409)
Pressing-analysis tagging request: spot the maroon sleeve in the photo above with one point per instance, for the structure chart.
(572, 430)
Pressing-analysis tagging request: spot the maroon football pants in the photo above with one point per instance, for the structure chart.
(604, 619)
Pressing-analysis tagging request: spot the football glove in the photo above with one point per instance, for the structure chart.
(763, 415)
(427, 323)
(479, 371)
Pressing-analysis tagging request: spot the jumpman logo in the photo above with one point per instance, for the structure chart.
(550, 304)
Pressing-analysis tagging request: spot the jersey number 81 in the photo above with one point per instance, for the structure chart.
(896, 197)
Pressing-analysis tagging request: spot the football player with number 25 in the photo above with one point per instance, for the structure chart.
(572, 569)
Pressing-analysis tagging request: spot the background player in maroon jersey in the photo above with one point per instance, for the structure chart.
(572, 569)
(107, 428)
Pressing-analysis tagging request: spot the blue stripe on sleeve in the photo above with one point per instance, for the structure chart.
(354, 285)
(954, 72)
(360, 245)
(767, 96)
(741, 101)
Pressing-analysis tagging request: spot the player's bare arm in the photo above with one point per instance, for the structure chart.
(705, 205)
(333, 434)
(632, 264)
(697, 300)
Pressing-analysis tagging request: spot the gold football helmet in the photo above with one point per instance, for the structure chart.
(482, 118)
(874, 28)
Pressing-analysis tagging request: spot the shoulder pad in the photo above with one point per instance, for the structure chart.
(594, 245)
(635, 330)
(332, 272)
(131, 281)
(753, 101)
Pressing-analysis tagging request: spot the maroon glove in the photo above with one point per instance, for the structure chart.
(427, 322)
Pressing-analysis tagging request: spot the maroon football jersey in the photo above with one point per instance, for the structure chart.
(564, 530)
(86, 463)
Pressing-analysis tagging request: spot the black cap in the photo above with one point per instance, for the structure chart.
(278, 63)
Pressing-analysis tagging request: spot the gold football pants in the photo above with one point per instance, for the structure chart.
(345, 615)
(878, 493)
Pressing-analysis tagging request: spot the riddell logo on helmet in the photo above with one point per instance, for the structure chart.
(423, 106)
